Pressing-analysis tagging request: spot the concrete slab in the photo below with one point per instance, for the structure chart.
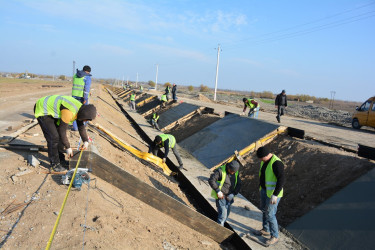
(176, 113)
(148, 106)
(240, 220)
(218, 141)
(345, 221)
(142, 98)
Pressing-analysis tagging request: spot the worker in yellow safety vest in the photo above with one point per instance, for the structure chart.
(132, 100)
(54, 113)
(165, 141)
(163, 100)
(225, 184)
(154, 120)
(271, 182)
(253, 107)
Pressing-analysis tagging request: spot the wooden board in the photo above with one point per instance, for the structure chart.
(155, 198)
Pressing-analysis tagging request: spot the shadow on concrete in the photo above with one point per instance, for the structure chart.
(31, 116)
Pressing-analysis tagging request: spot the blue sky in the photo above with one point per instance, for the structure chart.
(304, 47)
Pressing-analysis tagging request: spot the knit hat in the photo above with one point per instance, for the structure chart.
(244, 99)
(233, 166)
(283, 91)
(86, 112)
(262, 152)
(157, 139)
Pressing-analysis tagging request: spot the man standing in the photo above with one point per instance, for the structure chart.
(54, 113)
(281, 104)
(132, 100)
(165, 141)
(271, 182)
(225, 184)
(174, 92)
(253, 107)
(167, 91)
(81, 87)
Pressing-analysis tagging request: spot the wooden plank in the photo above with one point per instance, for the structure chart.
(146, 101)
(157, 199)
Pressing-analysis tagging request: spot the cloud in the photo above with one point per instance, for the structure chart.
(166, 50)
(247, 61)
(110, 49)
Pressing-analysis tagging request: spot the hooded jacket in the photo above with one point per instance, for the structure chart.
(87, 80)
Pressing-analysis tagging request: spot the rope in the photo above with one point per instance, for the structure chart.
(63, 205)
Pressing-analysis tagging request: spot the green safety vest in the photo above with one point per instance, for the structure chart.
(221, 183)
(50, 105)
(167, 89)
(250, 105)
(270, 178)
(155, 118)
(172, 140)
(141, 87)
(78, 86)
(164, 98)
(132, 97)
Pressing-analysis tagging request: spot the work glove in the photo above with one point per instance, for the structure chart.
(230, 197)
(164, 160)
(69, 152)
(85, 145)
(273, 199)
(220, 195)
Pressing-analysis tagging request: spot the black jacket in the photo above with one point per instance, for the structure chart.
(228, 186)
(279, 100)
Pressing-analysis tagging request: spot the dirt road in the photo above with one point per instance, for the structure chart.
(342, 136)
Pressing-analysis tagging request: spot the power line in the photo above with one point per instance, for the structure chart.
(271, 38)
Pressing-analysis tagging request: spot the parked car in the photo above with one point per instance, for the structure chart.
(365, 114)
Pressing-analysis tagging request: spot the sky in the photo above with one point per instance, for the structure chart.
(322, 48)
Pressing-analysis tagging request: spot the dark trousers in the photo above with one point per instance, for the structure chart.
(280, 112)
(55, 147)
(174, 96)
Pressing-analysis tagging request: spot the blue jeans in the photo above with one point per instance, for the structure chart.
(254, 114)
(269, 214)
(223, 210)
(75, 127)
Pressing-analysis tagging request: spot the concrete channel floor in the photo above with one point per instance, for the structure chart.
(345, 221)
(240, 219)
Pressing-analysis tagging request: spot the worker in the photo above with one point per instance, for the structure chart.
(174, 92)
(132, 100)
(81, 88)
(141, 88)
(280, 103)
(253, 107)
(154, 120)
(271, 182)
(54, 113)
(167, 91)
(225, 184)
(163, 100)
(167, 141)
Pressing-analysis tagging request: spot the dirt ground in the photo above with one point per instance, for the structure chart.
(115, 220)
(313, 174)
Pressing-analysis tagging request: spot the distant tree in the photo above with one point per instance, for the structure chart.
(62, 77)
(167, 84)
(266, 94)
(190, 88)
(151, 83)
(204, 88)
(253, 94)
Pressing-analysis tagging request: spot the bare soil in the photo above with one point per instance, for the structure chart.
(313, 174)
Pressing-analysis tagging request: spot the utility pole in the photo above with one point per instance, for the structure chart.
(74, 67)
(217, 69)
(156, 81)
(332, 99)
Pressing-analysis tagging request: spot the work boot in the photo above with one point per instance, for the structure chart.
(272, 240)
(181, 167)
(262, 232)
(58, 167)
(278, 119)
